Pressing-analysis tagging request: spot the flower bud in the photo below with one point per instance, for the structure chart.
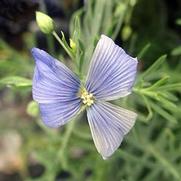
(72, 45)
(44, 22)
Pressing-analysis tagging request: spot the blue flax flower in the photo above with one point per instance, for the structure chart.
(61, 95)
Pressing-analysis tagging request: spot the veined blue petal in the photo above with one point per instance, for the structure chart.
(52, 81)
(109, 124)
(57, 114)
(55, 88)
(112, 72)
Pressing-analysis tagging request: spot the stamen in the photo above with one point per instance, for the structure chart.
(87, 98)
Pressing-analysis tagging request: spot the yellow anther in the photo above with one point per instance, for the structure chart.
(87, 98)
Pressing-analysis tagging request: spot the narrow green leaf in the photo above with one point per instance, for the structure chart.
(171, 87)
(176, 51)
(154, 66)
(166, 103)
(160, 82)
(75, 25)
(143, 51)
(16, 81)
(163, 113)
(98, 16)
(170, 96)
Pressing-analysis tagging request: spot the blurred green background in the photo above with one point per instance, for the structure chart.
(148, 29)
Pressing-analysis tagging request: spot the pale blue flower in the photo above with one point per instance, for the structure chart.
(61, 95)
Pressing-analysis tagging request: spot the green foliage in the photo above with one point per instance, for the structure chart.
(16, 81)
(157, 92)
(176, 51)
(87, 25)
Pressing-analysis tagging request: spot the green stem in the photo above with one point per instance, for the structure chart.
(70, 53)
(50, 44)
(68, 134)
(117, 29)
(62, 44)
(66, 137)
(119, 23)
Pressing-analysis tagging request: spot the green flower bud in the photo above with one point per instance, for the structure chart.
(32, 109)
(44, 22)
(126, 32)
(72, 45)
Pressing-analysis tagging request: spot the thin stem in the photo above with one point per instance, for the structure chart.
(62, 44)
(66, 137)
(119, 23)
(68, 134)
(117, 29)
(50, 44)
(65, 140)
(72, 56)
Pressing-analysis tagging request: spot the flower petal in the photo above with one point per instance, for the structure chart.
(112, 72)
(55, 87)
(57, 114)
(53, 81)
(109, 124)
